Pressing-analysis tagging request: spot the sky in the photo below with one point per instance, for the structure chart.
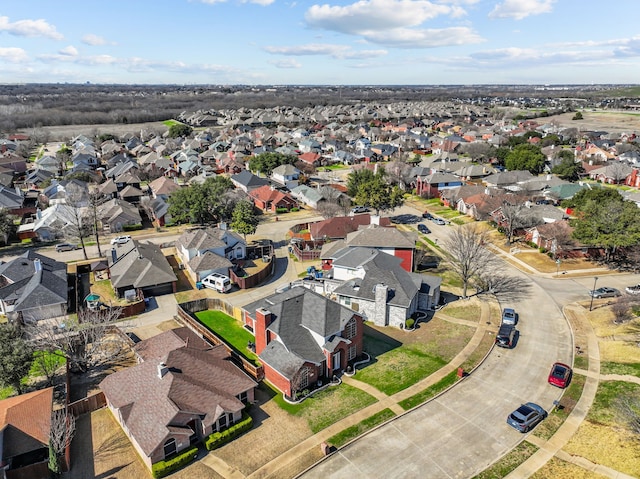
(298, 42)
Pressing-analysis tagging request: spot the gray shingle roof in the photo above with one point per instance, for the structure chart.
(139, 265)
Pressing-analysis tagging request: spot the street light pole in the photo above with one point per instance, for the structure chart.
(595, 280)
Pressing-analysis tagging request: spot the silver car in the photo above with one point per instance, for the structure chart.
(604, 292)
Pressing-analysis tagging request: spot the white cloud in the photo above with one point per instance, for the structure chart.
(69, 51)
(30, 28)
(519, 9)
(286, 63)
(334, 51)
(13, 55)
(428, 38)
(264, 3)
(93, 40)
(376, 15)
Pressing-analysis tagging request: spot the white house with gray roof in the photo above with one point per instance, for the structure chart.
(375, 284)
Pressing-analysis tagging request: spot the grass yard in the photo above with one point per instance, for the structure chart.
(486, 343)
(429, 392)
(508, 463)
(631, 369)
(603, 426)
(399, 368)
(468, 311)
(230, 330)
(356, 430)
(558, 416)
(328, 406)
(558, 469)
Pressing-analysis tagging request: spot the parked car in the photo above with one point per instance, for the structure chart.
(359, 209)
(635, 289)
(217, 281)
(423, 229)
(439, 221)
(427, 215)
(120, 239)
(506, 336)
(66, 247)
(560, 375)
(509, 316)
(605, 292)
(526, 417)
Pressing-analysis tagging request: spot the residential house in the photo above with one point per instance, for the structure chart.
(374, 283)
(183, 390)
(613, 173)
(25, 427)
(48, 163)
(287, 175)
(303, 338)
(209, 250)
(432, 185)
(269, 199)
(163, 187)
(116, 214)
(142, 268)
(340, 226)
(56, 221)
(33, 287)
(247, 181)
(509, 180)
(394, 242)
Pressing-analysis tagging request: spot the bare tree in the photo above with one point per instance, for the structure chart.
(63, 427)
(467, 253)
(622, 308)
(617, 171)
(80, 224)
(398, 173)
(85, 342)
(96, 199)
(513, 212)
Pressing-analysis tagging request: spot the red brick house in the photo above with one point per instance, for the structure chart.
(311, 158)
(303, 338)
(269, 199)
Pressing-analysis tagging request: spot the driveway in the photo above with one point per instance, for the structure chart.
(464, 430)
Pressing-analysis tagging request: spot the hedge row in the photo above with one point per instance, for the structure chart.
(166, 467)
(218, 439)
(135, 227)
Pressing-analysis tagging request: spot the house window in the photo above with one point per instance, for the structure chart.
(169, 447)
(304, 378)
(352, 352)
(347, 300)
(243, 396)
(222, 421)
(351, 329)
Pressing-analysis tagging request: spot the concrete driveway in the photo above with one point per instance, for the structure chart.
(464, 430)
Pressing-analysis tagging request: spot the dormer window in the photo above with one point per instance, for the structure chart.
(351, 329)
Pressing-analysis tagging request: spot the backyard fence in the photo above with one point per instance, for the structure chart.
(185, 316)
(89, 404)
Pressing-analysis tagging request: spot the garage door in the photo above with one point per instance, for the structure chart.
(158, 290)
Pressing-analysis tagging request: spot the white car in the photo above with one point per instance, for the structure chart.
(120, 239)
(635, 289)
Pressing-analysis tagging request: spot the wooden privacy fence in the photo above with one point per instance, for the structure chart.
(186, 318)
(90, 403)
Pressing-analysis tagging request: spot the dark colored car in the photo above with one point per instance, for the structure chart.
(506, 336)
(526, 417)
(509, 316)
(605, 292)
(427, 215)
(560, 375)
(65, 247)
(423, 229)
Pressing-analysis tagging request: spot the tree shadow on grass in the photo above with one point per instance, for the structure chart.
(377, 343)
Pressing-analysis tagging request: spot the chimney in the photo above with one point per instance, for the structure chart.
(381, 292)
(263, 320)
(37, 265)
(375, 220)
(162, 370)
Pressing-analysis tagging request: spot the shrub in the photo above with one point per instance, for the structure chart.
(166, 467)
(409, 323)
(281, 210)
(218, 439)
(132, 227)
(294, 209)
(543, 250)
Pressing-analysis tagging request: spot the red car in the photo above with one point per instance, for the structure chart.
(560, 375)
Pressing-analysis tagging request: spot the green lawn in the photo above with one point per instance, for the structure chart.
(229, 330)
(632, 369)
(356, 430)
(429, 392)
(328, 406)
(398, 368)
(603, 410)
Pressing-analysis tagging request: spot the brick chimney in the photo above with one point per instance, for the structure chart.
(263, 320)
